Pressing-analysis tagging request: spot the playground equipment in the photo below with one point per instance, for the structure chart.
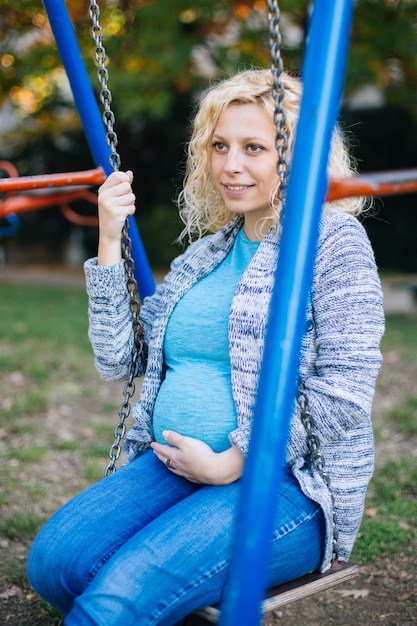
(307, 189)
(33, 193)
(24, 193)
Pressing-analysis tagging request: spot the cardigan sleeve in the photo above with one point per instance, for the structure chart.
(341, 356)
(110, 320)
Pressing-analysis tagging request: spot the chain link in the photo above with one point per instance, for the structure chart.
(103, 77)
(138, 348)
(317, 458)
(277, 67)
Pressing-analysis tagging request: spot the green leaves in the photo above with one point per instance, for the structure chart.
(157, 50)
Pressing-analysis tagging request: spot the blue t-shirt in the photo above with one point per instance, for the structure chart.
(195, 398)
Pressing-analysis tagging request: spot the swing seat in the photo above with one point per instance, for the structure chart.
(286, 593)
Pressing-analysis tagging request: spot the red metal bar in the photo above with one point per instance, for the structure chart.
(380, 184)
(76, 218)
(23, 203)
(25, 183)
(9, 168)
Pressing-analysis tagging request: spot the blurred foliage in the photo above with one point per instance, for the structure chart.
(157, 50)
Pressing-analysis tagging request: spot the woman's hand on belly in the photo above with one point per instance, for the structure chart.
(197, 462)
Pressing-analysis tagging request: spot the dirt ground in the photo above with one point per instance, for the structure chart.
(385, 592)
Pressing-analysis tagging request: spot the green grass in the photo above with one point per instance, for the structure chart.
(36, 490)
(31, 401)
(401, 336)
(45, 354)
(65, 445)
(389, 522)
(43, 331)
(94, 470)
(46, 363)
(391, 511)
(25, 455)
(52, 314)
(20, 525)
(15, 572)
(405, 415)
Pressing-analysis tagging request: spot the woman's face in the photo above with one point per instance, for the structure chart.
(244, 161)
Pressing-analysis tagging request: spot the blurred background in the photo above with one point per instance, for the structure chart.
(160, 56)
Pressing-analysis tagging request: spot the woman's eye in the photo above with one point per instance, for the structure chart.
(219, 146)
(253, 147)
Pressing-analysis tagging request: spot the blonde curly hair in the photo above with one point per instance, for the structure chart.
(200, 205)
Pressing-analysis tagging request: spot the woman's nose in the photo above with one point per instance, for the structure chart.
(234, 162)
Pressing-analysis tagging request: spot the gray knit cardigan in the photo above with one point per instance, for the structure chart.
(340, 356)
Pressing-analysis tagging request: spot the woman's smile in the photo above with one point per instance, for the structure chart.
(236, 189)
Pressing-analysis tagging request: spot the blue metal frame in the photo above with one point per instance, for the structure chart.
(11, 225)
(323, 74)
(92, 122)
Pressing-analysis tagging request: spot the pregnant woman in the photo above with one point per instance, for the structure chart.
(152, 542)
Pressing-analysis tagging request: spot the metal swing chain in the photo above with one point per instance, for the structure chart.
(281, 142)
(138, 348)
(278, 92)
(103, 77)
(317, 458)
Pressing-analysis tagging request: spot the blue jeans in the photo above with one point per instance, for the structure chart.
(144, 546)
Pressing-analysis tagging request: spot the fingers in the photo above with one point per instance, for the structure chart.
(116, 201)
(115, 178)
(185, 456)
(116, 191)
(173, 438)
(168, 454)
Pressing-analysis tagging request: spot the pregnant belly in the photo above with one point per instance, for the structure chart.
(196, 401)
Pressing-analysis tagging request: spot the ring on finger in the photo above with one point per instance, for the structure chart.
(169, 464)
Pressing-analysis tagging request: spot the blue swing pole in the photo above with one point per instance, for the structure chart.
(323, 74)
(92, 122)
